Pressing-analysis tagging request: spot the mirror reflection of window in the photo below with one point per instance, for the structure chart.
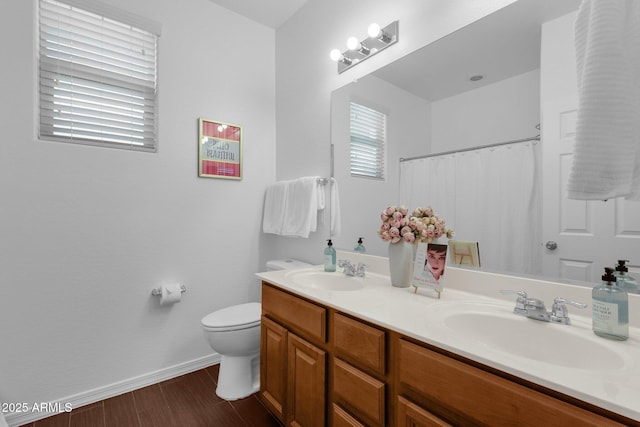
(367, 141)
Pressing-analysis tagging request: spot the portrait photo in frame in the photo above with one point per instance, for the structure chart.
(219, 150)
(429, 266)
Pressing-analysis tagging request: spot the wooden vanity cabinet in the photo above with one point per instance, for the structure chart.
(293, 358)
(443, 389)
(322, 367)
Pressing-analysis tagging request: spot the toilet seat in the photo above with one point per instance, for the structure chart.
(242, 316)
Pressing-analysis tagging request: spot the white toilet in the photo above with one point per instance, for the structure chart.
(234, 333)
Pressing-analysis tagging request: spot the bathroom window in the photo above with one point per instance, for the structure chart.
(98, 75)
(367, 130)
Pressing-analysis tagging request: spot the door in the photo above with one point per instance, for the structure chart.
(273, 350)
(306, 384)
(580, 238)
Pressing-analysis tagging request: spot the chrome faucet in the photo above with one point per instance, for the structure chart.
(351, 270)
(534, 308)
(360, 269)
(559, 312)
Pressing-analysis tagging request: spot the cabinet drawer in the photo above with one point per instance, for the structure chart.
(408, 414)
(470, 395)
(342, 419)
(359, 392)
(297, 314)
(361, 344)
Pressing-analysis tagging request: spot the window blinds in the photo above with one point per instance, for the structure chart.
(98, 79)
(367, 131)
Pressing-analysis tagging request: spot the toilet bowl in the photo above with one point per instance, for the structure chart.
(234, 333)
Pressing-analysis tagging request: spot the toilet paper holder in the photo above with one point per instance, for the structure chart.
(158, 291)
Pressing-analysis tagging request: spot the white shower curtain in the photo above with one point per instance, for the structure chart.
(489, 195)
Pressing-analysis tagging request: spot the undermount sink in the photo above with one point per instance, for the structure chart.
(332, 281)
(496, 327)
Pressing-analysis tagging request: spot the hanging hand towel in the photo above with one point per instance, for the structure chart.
(301, 213)
(274, 207)
(606, 160)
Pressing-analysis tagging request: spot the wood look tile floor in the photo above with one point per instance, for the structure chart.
(186, 401)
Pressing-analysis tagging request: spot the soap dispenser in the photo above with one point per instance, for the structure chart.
(360, 247)
(329, 257)
(610, 305)
(623, 279)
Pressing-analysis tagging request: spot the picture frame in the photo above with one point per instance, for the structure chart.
(429, 267)
(219, 150)
(464, 253)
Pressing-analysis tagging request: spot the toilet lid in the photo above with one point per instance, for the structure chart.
(235, 317)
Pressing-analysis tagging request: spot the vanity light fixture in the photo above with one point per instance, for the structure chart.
(357, 51)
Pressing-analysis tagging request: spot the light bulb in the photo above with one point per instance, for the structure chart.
(335, 55)
(353, 43)
(374, 30)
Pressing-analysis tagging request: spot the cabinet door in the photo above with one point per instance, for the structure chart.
(305, 383)
(408, 414)
(273, 350)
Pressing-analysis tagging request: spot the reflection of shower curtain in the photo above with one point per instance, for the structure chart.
(489, 195)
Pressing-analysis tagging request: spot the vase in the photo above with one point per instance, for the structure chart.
(401, 257)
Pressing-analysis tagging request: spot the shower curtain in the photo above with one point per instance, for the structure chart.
(489, 195)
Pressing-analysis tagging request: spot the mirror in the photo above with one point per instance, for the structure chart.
(448, 97)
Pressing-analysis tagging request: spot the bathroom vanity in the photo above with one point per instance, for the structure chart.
(380, 356)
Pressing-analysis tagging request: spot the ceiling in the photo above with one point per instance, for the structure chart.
(271, 13)
(504, 44)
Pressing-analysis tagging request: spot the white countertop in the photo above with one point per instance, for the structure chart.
(416, 315)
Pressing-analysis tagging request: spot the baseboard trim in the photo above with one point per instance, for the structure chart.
(115, 389)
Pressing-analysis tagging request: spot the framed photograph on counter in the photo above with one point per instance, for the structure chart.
(428, 270)
(464, 253)
(219, 150)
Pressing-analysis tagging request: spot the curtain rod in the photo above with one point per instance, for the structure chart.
(533, 138)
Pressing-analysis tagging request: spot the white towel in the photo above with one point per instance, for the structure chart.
(606, 161)
(301, 208)
(335, 225)
(274, 207)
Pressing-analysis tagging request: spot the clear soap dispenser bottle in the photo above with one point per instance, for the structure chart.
(610, 307)
(329, 257)
(360, 247)
(623, 279)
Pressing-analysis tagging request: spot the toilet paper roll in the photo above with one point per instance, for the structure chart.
(170, 294)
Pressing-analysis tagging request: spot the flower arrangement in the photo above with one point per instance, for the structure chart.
(422, 225)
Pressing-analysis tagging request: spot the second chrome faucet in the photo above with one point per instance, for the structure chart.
(534, 308)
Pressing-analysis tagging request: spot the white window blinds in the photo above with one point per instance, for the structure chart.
(367, 131)
(98, 78)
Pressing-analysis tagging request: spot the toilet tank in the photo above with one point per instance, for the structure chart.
(286, 264)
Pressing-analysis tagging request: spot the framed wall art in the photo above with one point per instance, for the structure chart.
(219, 150)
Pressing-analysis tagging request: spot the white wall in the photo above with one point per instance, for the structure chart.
(306, 76)
(408, 134)
(502, 111)
(87, 232)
